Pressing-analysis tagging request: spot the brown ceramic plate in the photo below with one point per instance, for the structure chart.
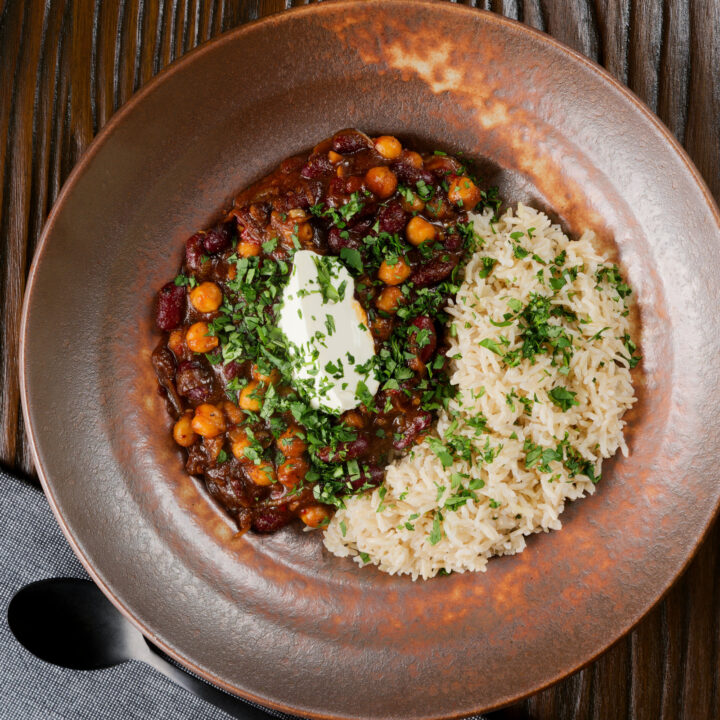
(277, 619)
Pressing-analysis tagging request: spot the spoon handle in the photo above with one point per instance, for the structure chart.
(232, 705)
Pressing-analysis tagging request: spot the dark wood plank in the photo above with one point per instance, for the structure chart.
(646, 682)
(612, 28)
(67, 65)
(703, 129)
(13, 19)
(575, 24)
(17, 213)
(43, 191)
(646, 30)
(675, 67)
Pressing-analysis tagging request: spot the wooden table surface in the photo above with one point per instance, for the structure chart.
(65, 67)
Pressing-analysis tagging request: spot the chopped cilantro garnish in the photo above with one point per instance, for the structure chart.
(563, 398)
(352, 259)
(491, 345)
(269, 245)
(436, 534)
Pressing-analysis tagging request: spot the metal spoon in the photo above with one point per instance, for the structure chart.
(69, 622)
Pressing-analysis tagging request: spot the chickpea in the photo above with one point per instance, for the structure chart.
(272, 377)
(198, 340)
(419, 230)
(209, 420)
(206, 297)
(292, 472)
(291, 443)
(315, 516)
(382, 181)
(464, 192)
(183, 432)
(413, 158)
(248, 249)
(438, 207)
(382, 328)
(261, 474)
(251, 397)
(239, 442)
(389, 147)
(414, 205)
(389, 299)
(353, 419)
(394, 274)
(334, 157)
(232, 412)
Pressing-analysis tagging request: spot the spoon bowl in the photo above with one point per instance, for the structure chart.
(69, 622)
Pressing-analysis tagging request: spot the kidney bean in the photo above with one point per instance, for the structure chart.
(371, 474)
(194, 381)
(197, 396)
(434, 271)
(217, 239)
(350, 141)
(170, 306)
(409, 175)
(423, 322)
(410, 429)
(392, 218)
(453, 243)
(194, 250)
(318, 165)
(337, 242)
(345, 450)
(350, 237)
(231, 370)
(271, 519)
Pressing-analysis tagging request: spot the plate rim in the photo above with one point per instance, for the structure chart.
(104, 135)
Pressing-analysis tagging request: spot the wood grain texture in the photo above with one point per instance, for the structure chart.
(67, 65)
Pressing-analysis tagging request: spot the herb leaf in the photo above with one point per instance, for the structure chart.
(563, 398)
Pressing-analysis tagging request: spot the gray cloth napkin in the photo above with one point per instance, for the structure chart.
(33, 548)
